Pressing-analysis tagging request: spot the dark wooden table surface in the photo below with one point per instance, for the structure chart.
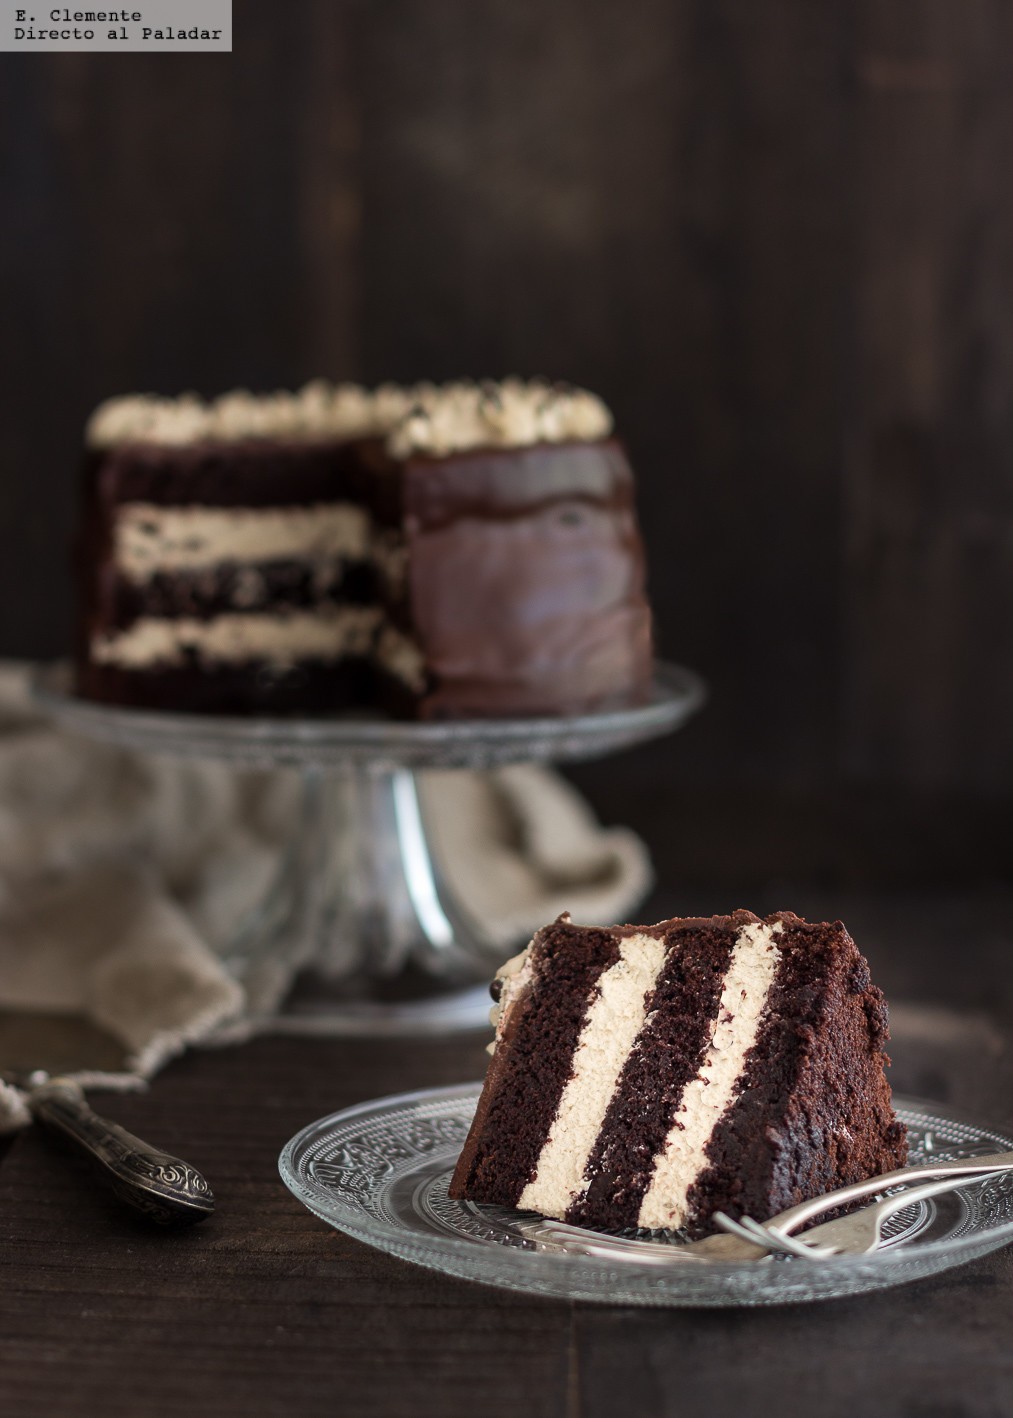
(264, 1310)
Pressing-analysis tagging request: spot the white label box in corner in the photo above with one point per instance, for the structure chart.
(146, 27)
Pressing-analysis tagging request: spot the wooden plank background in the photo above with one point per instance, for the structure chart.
(778, 239)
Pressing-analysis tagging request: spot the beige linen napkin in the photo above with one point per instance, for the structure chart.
(121, 876)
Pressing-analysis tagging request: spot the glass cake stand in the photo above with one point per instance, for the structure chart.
(359, 891)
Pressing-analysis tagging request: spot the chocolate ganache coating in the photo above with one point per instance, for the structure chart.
(526, 580)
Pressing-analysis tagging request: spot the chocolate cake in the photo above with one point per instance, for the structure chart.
(436, 552)
(648, 1076)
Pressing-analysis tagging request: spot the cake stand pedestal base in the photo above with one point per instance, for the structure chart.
(360, 902)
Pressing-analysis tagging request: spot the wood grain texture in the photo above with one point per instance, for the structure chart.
(263, 1311)
(631, 196)
(929, 491)
(780, 244)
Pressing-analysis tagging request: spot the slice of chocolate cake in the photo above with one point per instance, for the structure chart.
(650, 1076)
(437, 552)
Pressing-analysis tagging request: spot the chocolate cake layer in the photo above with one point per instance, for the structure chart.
(231, 586)
(815, 1109)
(256, 472)
(313, 687)
(529, 1070)
(667, 1055)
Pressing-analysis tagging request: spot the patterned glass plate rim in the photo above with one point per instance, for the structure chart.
(379, 1173)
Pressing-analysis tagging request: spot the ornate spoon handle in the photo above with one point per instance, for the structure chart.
(161, 1187)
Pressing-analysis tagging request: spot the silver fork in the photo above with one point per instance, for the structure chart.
(735, 1243)
(853, 1235)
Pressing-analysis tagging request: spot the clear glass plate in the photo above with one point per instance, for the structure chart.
(380, 1171)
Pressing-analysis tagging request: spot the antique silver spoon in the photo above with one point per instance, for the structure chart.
(162, 1188)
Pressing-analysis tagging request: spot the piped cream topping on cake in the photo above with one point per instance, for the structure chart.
(513, 413)
(616, 1016)
(149, 540)
(427, 419)
(708, 1096)
(318, 412)
(278, 640)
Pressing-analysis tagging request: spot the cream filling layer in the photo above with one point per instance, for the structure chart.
(148, 539)
(615, 1018)
(280, 640)
(401, 657)
(707, 1098)
(514, 978)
